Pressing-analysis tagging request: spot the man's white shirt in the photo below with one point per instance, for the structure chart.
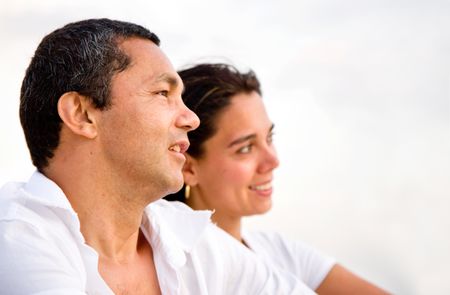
(42, 250)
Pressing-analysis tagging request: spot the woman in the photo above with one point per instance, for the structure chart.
(229, 170)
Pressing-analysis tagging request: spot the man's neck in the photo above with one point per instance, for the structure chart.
(110, 213)
(110, 222)
(110, 204)
(135, 275)
(112, 234)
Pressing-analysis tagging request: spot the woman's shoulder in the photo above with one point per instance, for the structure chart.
(292, 255)
(261, 237)
(276, 243)
(273, 239)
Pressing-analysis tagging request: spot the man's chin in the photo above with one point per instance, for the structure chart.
(177, 188)
(176, 184)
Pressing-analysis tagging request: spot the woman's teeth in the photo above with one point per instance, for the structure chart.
(261, 187)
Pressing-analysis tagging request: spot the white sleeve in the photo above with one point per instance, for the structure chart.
(32, 264)
(302, 260)
(236, 270)
(315, 264)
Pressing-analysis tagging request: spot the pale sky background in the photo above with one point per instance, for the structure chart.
(360, 95)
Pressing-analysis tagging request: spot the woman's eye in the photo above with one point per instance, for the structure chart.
(245, 150)
(270, 138)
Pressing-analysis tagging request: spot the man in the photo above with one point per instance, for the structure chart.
(106, 127)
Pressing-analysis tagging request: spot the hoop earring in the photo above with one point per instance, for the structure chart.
(187, 191)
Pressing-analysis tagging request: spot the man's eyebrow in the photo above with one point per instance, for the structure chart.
(247, 137)
(170, 79)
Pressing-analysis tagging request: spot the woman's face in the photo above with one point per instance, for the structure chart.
(234, 175)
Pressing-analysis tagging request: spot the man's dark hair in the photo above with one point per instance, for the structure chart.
(208, 90)
(82, 57)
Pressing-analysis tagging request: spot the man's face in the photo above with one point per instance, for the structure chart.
(143, 135)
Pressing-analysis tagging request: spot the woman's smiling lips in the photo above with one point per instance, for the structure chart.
(264, 189)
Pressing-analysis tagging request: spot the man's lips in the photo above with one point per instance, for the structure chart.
(180, 146)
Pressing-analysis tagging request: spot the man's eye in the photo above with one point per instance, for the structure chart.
(245, 150)
(163, 93)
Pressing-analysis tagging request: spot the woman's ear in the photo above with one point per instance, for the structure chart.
(190, 171)
(77, 113)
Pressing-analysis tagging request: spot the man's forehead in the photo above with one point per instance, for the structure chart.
(149, 57)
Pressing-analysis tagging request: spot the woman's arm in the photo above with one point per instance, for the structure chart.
(341, 281)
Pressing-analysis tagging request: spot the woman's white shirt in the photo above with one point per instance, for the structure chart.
(296, 257)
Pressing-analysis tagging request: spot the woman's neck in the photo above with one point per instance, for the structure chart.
(232, 225)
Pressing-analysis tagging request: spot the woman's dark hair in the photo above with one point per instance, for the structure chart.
(81, 57)
(208, 90)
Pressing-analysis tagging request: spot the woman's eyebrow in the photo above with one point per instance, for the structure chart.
(247, 137)
(242, 139)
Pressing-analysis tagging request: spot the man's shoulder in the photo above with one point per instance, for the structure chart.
(37, 249)
(9, 189)
(21, 209)
(12, 197)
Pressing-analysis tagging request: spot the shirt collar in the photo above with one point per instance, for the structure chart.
(172, 225)
(186, 224)
(177, 222)
(47, 192)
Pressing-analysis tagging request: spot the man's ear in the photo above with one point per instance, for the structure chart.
(76, 111)
(190, 171)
